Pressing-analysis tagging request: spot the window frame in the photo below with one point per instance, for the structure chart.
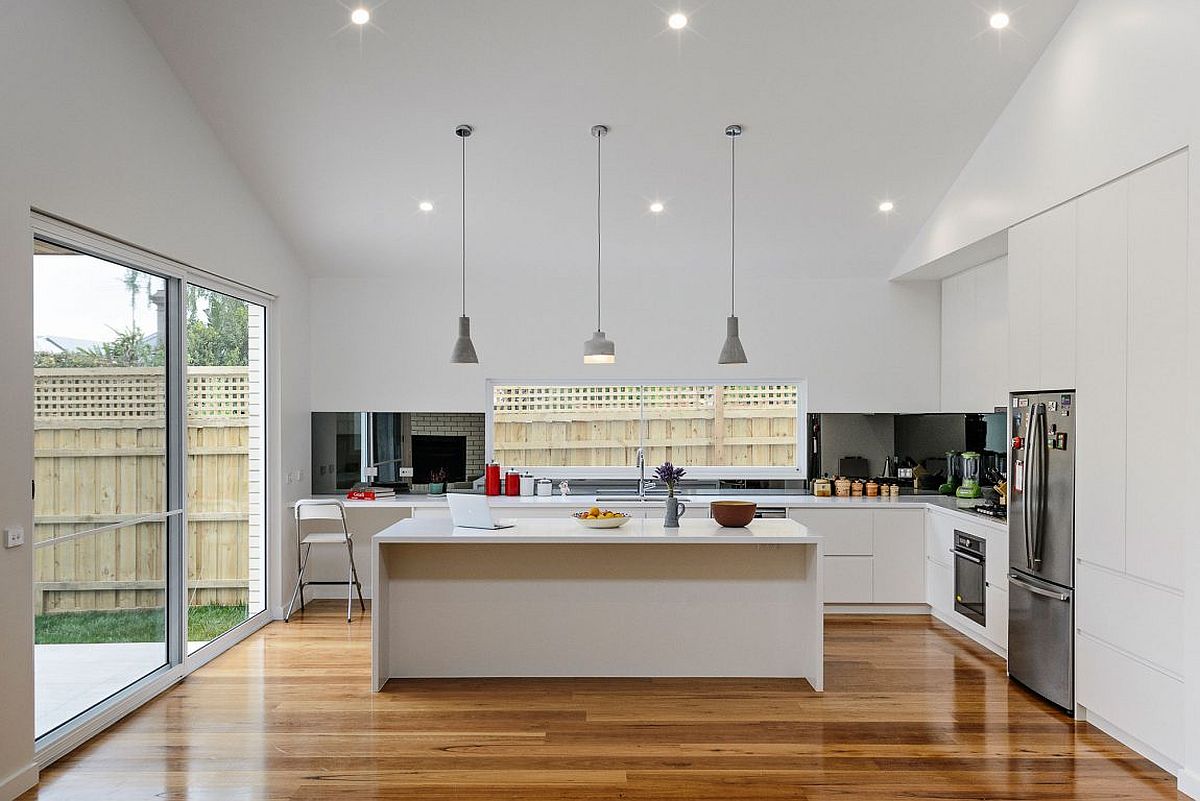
(702, 472)
(179, 664)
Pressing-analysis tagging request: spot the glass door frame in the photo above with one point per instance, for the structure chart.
(178, 276)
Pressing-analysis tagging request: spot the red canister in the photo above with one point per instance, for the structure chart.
(491, 475)
(512, 483)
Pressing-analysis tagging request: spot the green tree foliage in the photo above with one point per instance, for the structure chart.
(217, 336)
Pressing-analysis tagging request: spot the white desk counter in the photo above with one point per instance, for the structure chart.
(549, 597)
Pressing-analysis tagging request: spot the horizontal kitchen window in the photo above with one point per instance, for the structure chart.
(714, 429)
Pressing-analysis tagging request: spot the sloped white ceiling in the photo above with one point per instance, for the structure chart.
(341, 131)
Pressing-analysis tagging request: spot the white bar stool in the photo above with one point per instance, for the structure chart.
(324, 510)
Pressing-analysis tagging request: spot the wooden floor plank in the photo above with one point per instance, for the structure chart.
(912, 711)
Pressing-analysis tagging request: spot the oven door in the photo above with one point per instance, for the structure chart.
(970, 586)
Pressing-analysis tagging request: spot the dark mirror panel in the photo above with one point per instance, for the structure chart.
(402, 448)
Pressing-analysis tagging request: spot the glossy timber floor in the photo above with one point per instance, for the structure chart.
(913, 710)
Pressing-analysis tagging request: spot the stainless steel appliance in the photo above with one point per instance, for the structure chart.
(1041, 544)
(770, 512)
(970, 576)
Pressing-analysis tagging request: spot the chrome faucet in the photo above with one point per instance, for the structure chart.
(643, 485)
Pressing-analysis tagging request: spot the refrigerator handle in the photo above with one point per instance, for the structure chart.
(1057, 596)
(1028, 489)
(1039, 489)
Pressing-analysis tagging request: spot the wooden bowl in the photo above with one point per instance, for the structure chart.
(733, 514)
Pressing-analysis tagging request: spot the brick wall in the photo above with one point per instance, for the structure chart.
(454, 424)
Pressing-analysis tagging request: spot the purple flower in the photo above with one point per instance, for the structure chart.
(669, 474)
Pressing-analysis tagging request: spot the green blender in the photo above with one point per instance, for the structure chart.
(971, 465)
(953, 473)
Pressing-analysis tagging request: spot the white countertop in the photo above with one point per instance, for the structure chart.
(938, 503)
(637, 530)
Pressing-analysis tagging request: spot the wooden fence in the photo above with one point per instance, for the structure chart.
(735, 425)
(99, 459)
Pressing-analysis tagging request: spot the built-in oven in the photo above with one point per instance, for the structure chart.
(970, 576)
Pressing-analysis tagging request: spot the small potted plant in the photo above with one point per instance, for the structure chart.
(437, 481)
(670, 475)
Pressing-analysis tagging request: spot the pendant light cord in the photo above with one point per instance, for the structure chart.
(732, 223)
(598, 138)
(464, 226)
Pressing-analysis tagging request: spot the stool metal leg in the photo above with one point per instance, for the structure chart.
(354, 577)
(299, 591)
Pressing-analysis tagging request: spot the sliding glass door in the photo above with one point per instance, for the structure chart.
(150, 492)
(226, 348)
(102, 456)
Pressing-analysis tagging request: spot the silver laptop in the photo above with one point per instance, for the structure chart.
(473, 511)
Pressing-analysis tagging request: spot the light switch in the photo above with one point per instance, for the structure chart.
(14, 537)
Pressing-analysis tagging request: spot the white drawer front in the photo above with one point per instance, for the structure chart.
(939, 586)
(1134, 616)
(1137, 699)
(848, 579)
(939, 538)
(847, 532)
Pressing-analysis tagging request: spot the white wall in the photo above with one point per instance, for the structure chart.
(96, 129)
(1115, 90)
(863, 344)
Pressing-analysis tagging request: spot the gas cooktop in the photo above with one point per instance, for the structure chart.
(991, 510)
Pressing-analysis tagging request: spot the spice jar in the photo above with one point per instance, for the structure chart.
(841, 487)
(822, 488)
(872, 489)
(856, 489)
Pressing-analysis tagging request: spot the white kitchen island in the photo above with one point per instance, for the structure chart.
(549, 597)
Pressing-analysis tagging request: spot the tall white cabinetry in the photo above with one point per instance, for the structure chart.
(1131, 327)
(975, 338)
(1041, 301)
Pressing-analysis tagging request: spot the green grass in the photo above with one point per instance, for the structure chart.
(132, 625)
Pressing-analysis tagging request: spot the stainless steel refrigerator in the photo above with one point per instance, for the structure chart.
(1041, 544)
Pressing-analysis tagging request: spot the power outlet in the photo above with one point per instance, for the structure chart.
(404, 472)
(14, 537)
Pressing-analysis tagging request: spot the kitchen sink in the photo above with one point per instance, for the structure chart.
(636, 499)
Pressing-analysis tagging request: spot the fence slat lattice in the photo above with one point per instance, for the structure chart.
(709, 425)
(99, 458)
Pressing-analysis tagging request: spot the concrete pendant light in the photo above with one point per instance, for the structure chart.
(464, 349)
(599, 349)
(732, 351)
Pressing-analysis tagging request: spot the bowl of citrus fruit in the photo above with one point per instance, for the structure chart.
(601, 518)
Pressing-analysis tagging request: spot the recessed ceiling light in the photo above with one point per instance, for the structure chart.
(425, 205)
(886, 206)
(999, 20)
(677, 21)
(656, 207)
(360, 16)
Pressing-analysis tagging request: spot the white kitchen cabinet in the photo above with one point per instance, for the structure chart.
(1102, 325)
(847, 532)
(1157, 383)
(996, 618)
(1041, 301)
(899, 557)
(939, 538)
(1140, 700)
(848, 579)
(939, 587)
(871, 556)
(975, 338)
(939, 576)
